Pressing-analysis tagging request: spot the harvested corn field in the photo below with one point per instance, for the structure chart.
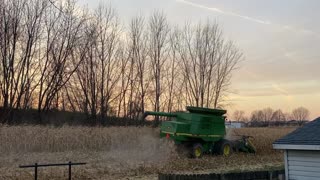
(121, 152)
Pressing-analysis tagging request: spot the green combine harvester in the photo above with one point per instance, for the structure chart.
(200, 131)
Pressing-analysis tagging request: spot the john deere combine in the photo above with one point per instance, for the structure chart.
(201, 130)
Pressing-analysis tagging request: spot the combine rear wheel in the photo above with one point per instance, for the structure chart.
(197, 150)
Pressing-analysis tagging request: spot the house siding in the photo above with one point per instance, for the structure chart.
(303, 165)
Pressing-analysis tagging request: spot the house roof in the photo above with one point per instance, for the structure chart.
(303, 138)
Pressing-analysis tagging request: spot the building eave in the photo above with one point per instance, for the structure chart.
(296, 147)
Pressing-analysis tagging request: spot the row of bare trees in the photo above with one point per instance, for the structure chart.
(55, 55)
(267, 115)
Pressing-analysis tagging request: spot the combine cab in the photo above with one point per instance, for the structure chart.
(200, 130)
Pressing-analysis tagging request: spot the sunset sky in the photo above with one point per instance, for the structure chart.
(280, 41)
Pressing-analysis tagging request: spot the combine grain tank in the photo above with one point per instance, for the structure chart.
(200, 130)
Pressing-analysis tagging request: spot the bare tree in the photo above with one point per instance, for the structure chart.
(125, 81)
(300, 114)
(34, 12)
(287, 116)
(62, 34)
(158, 40)
(139, 62)
(20, 31)
(100, 72)
(257, 117)
(107, 54)
(228, 58)
(198, 54)
(208, 62)
(238, 115)
(82, 88)
(56, 56)
(264, 115)
(11, 32)
(172, 71)
(278, 115)
(267, 115)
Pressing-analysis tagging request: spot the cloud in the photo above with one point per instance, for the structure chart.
(288, 90)
(299, 30)
(276, 87)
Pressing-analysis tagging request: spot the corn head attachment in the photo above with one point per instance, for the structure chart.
(244, 144)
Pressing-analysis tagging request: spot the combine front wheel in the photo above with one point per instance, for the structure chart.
(223, 148)
(197, 150)
(226, 148)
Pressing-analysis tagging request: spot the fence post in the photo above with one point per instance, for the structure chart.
(69, 170)
(35, 171)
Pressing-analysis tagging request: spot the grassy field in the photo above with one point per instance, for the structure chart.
(121, 152)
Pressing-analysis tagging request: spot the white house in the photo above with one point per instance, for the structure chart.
(302, 152)
(232, 124)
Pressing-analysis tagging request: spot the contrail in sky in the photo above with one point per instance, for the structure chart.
(224, 12)
(284, 27)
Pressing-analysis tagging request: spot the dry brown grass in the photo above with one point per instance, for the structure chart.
(49, 139)
(119, 152)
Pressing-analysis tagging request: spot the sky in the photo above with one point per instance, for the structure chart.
(279, 39)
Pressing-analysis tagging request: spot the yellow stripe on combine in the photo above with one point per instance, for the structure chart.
(193, 135)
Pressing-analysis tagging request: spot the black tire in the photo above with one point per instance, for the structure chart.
(183, 150)
(197, 150)
(223, 147)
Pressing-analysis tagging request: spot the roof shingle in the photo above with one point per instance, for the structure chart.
(309, 134)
